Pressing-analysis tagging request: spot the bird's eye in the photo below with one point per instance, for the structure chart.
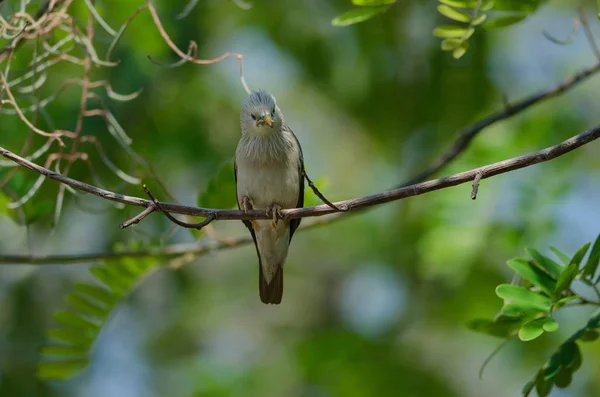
(273, 111)
(253, 117)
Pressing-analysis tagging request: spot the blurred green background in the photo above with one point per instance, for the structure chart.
(375, 304)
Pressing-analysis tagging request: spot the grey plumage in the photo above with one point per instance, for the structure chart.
(268, 171)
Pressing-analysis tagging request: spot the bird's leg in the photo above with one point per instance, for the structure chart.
(274, 210)
(247, 204)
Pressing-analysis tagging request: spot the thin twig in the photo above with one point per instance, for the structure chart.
(211, 217)
(588, 33)
(476, 185)
(319, 194)
(466, 135)
(182, 55)
(320, 210)
(136, 219)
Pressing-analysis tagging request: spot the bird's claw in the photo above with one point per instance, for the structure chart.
(273, 211)
(247, 204)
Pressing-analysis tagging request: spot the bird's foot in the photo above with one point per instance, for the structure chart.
(274, 210)
(247, 204)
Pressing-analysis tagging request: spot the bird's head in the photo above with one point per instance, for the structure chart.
(260, 115)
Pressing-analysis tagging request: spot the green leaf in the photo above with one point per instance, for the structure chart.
(451, 44)
(453, 14)
(520, 294)
(73, 320)
(60, 369)
(69, 336)
(549, 266)
(469, 4)
(566, 278)
(373, 2)
(542, 386)
(564, 258)
(578, 257)
(528, 388)
(503, 22)
(533, 274)
(460, 51)
(479, 20)
(357, 15)
(590, 335)
(85, 306)
(563, 378)
(501, 327)
(569, 353)
(550, 325)
(525, 6)
(532, 329)
(561, 302)
(521, 309)
(64, 350)
(594, 259)
(453, 32)
(98, 293)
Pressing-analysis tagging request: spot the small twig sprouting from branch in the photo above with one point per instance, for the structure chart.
(136, 219)
(211, 216)
(319, 194)
(478, 177)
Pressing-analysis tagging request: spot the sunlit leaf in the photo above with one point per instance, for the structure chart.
(532, 329)
(357, 15)
(566, 278)
(451, 44)
(533, 274)
(57, 350)
(594, 259)
(520, 294)
(453, 14)
(578, 257)
(550, 325)
(549, 266)
(479, 20)
(460, 51)
(560, 255)
(453, 32)
(74, 320)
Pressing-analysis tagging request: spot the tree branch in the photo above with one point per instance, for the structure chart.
(466, 135)
(320, 210)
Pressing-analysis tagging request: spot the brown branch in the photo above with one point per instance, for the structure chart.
(320, 210)
(136, 219)
(193, 47)
(319, 194)
(466, 135)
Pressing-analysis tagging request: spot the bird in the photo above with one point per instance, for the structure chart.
(269, 169)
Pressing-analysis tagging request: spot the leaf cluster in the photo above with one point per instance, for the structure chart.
(528, 309)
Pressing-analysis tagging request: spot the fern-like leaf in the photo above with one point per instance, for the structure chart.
(90, 306)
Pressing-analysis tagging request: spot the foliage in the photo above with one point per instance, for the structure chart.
(90, 307)
(528, 310)
(469, 15)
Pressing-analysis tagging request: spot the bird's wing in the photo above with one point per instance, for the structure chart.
(294, 223)
(247, 223)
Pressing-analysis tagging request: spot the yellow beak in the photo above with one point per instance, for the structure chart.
(268, 121)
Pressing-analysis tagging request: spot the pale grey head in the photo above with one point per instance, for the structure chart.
(260, 115)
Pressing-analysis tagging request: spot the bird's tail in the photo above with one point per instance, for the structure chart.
(273, 291)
